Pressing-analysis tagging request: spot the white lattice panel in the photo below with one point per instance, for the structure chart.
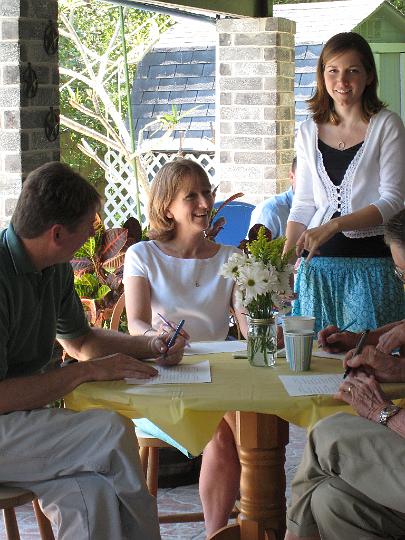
(153, 161)
(120, 201)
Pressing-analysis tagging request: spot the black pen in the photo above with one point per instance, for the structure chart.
(359, 348)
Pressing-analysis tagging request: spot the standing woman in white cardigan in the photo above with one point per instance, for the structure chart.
(350, 180)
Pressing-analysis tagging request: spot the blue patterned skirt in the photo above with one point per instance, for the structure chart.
(337, 290)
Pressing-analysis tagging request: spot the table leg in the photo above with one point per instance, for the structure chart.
(262, 439)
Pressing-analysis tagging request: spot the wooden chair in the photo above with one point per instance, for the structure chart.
(149, 445)
(10, 498)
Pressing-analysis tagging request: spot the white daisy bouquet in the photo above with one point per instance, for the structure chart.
(262, 275)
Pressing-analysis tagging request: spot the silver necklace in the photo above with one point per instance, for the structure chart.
(197, 276)
(341, 145)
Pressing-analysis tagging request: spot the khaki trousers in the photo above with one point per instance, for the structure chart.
(85, 469)
(350, 484)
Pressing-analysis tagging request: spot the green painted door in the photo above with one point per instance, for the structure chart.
(390, 61)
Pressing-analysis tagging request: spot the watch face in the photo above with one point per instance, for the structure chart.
(387, 412)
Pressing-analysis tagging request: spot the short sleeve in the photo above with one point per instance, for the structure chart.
(4, 335)
(134, 264)
(71, 319)
(267, 214)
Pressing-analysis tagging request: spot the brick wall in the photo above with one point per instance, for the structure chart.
(255, 111)
(23, 144)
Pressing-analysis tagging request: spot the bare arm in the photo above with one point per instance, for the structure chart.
(138, 304)
(334, 341)
(35, 391)
(99, 342)
(312, 239)
(392, 337)
(240, 316)
(385, 367)
(293, 233)
(364, 393)
(105, 356)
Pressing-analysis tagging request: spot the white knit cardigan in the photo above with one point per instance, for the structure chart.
(375, 176)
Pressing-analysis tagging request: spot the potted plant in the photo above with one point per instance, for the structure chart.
(98, 268)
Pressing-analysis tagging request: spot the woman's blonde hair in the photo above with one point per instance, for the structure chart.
(169, 180)
(321, 104)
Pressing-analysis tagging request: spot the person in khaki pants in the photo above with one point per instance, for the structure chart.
(351, 482)
(83, 466)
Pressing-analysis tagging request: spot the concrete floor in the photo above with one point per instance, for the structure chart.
(183, 498)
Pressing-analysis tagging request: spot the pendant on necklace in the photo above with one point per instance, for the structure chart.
(197, 284)
(341, 145)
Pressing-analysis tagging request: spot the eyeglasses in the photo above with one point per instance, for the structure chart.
(400, 274)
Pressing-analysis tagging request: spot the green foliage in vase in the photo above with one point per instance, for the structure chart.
(268, 251)
(262, 274)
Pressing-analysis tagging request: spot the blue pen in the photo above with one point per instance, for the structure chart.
(169, 324)
(348, 325)
(172, 340)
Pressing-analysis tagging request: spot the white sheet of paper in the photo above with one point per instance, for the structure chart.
(324, 354)
(309, 385)
(211, 347)
(183, 373)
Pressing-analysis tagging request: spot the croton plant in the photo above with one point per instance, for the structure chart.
(98, 268)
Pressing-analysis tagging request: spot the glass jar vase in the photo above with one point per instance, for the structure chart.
(262, 342)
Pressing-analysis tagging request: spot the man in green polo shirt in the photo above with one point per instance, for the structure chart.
(84, 466)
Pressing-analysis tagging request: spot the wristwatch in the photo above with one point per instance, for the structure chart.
(388, 412)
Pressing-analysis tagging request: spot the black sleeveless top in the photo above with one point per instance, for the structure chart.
(336, 163)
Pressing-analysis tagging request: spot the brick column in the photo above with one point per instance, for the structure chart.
(255, 116)
(23, 144)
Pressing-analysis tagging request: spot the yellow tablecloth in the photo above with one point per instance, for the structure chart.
(190, 412)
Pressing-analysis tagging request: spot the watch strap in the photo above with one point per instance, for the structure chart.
(388, 412)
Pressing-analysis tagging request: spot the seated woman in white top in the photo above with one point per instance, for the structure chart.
(177, 275)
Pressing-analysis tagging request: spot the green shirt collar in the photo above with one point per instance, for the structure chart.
(20, 258)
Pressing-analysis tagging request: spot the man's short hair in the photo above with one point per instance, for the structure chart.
(53, 194)
(394, 229)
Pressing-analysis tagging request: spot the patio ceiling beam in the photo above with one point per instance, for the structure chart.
(232, 8)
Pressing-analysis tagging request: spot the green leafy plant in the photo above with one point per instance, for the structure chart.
(261, 274)
(263, 248)
(98, 268)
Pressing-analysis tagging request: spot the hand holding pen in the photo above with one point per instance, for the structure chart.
(166, 322)
(335, 340)
(359, 348)
(169, 357)
(172, 340)
(347, 326)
